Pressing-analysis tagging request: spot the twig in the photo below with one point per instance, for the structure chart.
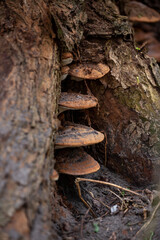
(87, 117)
(77, 180)
(148, 222)
(82, 222)
(88, 89)
(92, 195)
(122, 200)
(82, 199)
(103, 215)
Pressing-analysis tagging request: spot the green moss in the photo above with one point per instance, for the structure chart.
(129, 98)
(143, 119)
(152, 129)
(138, 100)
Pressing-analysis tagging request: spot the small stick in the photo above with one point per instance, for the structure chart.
(82, 199)
(88, 89)
(77, 180)
(87, 117)
(92, 195)
(123, 201)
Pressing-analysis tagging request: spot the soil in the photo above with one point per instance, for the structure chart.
(130, 214)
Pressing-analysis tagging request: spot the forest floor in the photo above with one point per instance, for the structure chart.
(119, 214)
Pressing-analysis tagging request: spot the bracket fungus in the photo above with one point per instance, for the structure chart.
(76, 101)
(75, 162)
(66, 58)
(77, 135)
(88, 71)
(55, 175)
(64, 72)
(138, 12)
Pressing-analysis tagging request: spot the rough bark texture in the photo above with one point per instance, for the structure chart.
(29, 76)
(29, 73)
(129, 112)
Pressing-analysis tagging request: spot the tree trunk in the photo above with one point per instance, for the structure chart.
(29, 78)
(33, 34)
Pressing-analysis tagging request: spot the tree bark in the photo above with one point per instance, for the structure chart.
(29, 79)
(32, 36)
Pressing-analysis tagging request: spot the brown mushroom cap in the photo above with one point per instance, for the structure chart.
(77, 135)
(88, 71)
(139, 12)
(75, 162)
(64, 72)
(55, 175)
(75, 101)
(66, 58)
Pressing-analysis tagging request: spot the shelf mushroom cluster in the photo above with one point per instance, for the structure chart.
(138, 12)
(71, 158)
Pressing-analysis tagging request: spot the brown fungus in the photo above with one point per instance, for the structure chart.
(66, 58)
(55, 175)
(64, 72)
(138, 12)
(76, 101)
(75, 162)
(77, 135)
(88, 71)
